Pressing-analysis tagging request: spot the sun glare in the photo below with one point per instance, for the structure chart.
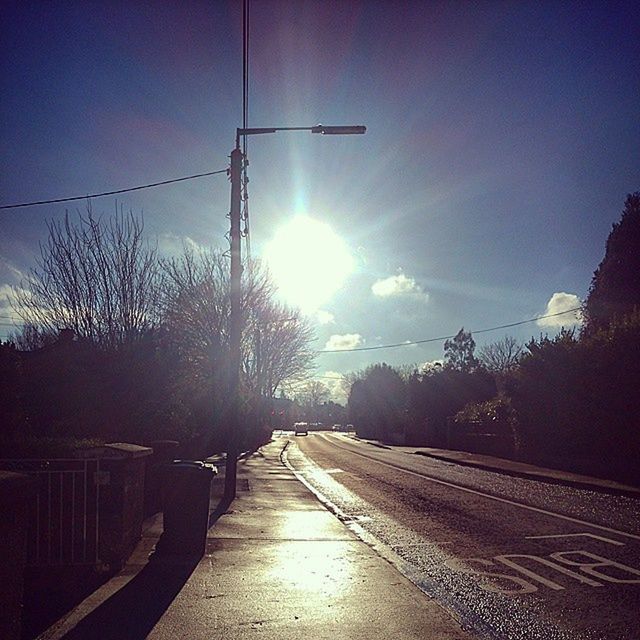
(308, 261)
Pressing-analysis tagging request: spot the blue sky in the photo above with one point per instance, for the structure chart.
(502, 139)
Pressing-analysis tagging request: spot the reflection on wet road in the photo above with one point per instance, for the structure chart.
(513, 558)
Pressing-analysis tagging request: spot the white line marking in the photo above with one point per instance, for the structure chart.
(488, 495)
(574, 535)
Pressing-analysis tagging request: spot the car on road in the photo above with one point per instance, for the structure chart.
(301, 429)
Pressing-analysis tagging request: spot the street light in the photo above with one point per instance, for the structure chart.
(235, 320)
(325, 129)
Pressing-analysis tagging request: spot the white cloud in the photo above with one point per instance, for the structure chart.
(339, 342)
(399, 285)
(12, 269)
(5, 296)
(171, 244)
(325, 317)
(7, 304)
(558, 303)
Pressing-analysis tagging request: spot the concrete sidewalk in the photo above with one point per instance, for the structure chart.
(278, 565)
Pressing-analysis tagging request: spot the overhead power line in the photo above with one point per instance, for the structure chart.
(407, 344)
(439, 339)
(113, 192)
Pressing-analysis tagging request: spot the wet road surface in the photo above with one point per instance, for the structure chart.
(511, 557)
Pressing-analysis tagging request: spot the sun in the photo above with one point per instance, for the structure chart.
(308, 261)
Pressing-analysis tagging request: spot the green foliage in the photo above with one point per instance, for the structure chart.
(485, 427)
(495, 417)
(459, 352)
(615, 287)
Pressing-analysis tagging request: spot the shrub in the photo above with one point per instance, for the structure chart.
(577, 401)
(492, 417)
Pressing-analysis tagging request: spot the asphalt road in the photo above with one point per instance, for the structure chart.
(510, 557)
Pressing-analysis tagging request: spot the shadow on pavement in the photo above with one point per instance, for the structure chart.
(136, 608)
(219, 511)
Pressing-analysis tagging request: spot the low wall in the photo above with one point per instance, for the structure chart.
(121, 500)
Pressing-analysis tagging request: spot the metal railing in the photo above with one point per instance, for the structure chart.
(63, 523)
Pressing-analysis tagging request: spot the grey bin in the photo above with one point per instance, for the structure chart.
(185, 505)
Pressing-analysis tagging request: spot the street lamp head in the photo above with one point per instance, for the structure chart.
(338, 130)
(342, 130)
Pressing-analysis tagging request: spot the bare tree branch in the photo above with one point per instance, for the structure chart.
(275, 338)
(98, 278)
(501, 356)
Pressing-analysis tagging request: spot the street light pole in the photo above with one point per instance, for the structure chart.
(235, 327)
(235, 320)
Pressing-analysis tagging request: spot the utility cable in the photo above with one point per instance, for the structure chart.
(245, 125)
(439, 339)
(115, 191)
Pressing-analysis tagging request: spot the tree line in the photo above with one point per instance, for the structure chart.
(119, 343)
(571, 400)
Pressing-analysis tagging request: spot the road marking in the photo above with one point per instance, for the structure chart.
(575, 535)
(462, 565)
(590, 567)
(488, 495)
(509, 560)
(496, 580)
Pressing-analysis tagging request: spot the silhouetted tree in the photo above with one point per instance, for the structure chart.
(276, 344)
(437, 395)
(312, 394)
(11, 383)
(196, 313)
(459, 352)
(577, 400)
(615, 287)
(502, 355)
(30, 338)
(97, 277)
(377, 403)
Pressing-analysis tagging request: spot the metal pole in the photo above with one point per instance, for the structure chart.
(235, 328)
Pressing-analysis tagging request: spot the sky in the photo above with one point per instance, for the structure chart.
(502, 139)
